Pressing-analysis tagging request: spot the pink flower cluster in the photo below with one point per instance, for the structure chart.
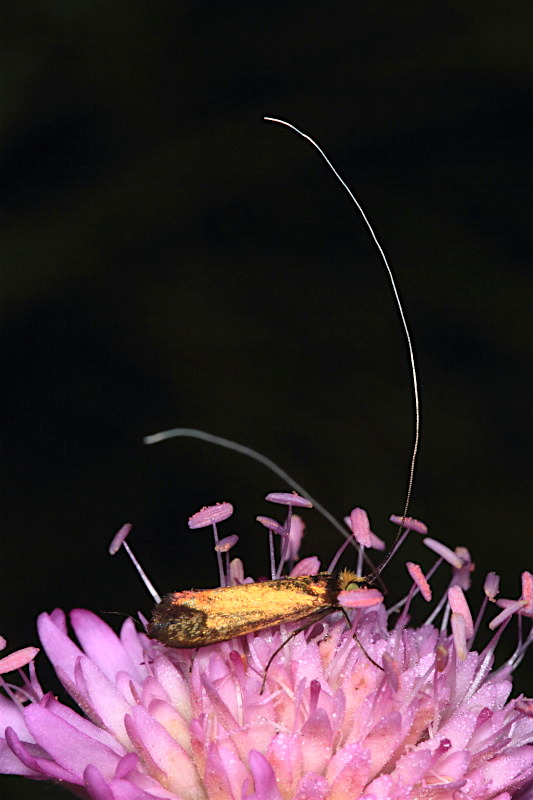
(435, 721)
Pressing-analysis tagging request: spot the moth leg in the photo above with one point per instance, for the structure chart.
(348, 620)
(193, 658)
(310, 621)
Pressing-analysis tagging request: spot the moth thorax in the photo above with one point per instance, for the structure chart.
(348, 580)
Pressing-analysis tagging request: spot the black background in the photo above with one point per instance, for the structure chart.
(170, 260)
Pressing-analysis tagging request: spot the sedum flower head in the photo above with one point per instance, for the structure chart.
(435, 721)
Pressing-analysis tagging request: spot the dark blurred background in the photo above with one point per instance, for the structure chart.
(170, 260)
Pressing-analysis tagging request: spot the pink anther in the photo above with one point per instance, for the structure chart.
(527, 591)
(420, 579)
(491, 587)
(210, 515)
(409, 523)
(360, 525)
(458, 624)
(360, 598)
(118, 539)
(458, 604)
(18, 659)
(227, 543)
(288, 499)
(444, 552)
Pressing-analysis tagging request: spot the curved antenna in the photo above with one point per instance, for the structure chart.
(404, 325)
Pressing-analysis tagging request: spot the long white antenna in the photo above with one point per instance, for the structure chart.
(402, 316)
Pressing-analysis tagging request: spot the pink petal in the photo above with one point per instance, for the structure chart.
(413, 767)
(174, 685)
(172, 722)
(216, 780)
(81, 724)
(224, 770)
(383, 739)
(163, 754)
(10, 764)
(102, 645)
(117, 789)
(126, 764)
(11, 716)
(264, 778)
(67, 745)
(285, 756)
(454, 766)
(502, 772)
(132, 641)
(312, 787)
(98, 787)
(348, 772)
(61, 650)
(35, 762)
(104, 700)
(316, 738)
